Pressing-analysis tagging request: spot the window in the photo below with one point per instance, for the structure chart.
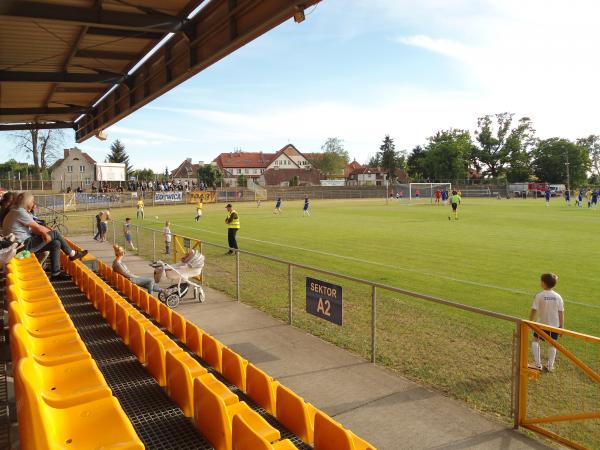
(88, 181)
(245, 170)
(70, 169)
(82, 168)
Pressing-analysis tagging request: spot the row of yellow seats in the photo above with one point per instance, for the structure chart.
(152, 346)
(155, 350)
(62, 398)
(291, 410)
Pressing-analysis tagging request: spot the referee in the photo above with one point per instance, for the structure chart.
(233, 225)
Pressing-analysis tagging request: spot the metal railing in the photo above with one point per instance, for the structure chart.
(246, 274)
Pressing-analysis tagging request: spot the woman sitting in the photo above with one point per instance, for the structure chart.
(119, 267)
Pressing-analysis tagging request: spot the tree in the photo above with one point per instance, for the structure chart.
(592, 144)
(166, 175)
(415, 163)
(242, 181)
(42, 146)
(295, 181)
(119, 155)
(550, 159)
(497, 141)
(333, 158)
(143, 174)
(210, 175)
(447, 155)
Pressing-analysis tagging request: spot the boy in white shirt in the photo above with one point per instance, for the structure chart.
(550, 308)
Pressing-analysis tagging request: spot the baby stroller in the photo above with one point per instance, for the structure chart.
(191, 266)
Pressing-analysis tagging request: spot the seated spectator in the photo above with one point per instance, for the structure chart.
(8, 199)
(38, 238)
(120, 267)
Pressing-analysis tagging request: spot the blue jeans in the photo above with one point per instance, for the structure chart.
(146, 283)
(36, 244)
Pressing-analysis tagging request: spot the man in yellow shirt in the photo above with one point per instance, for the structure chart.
(233, 225)
(198, 211)
(140, 208)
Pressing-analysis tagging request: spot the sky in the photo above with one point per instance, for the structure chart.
(361, 69)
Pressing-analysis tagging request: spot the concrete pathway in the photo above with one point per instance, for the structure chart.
(384, 408)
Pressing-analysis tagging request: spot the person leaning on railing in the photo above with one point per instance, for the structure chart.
(35, 237)
(119, 266)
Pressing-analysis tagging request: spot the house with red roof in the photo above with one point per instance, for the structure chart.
(76, 169)
(288, 162)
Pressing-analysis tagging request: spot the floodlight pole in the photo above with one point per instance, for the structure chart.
(568, 175)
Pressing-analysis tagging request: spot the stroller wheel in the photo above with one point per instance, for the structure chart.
(161, 296)
(201, 296)
(172, 301)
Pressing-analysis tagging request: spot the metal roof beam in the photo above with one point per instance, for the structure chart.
(42, 111)
(59, 77)
(37, 126)
(89, 16)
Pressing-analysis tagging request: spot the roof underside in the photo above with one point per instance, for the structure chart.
(59, 57)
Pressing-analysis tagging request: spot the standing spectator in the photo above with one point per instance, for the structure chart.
(233, 225)
(168, 236)
(127, 233)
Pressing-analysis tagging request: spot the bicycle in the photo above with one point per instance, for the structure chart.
(58, 223)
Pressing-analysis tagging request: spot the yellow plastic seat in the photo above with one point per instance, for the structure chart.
(181, 370)
(218, 388)
(193, 337)
(98, 300)
(32, 281)
(122, 312)
(135, 294)
(42, 326)
(128, 288)
(245, 438)
(164, 313)
(154, 307)
(330, 435)
(82, 426)
(47, 351)
(67, 384)
(178, 326)
(144, 300)
(157, 345)
(261, 388)
(137, 336)
(213, 417)
(297, 415)
(42, 308)
(212, 352)
(234, 368)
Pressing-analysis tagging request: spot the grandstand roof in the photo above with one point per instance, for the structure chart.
(85, 64)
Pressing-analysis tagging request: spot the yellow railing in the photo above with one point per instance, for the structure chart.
(573, 372)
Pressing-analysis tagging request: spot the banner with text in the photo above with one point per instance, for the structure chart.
(161, 197)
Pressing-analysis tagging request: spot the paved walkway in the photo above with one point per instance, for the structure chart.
(384, 408)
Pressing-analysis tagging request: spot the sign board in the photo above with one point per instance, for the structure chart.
(110, 171)
(324, 300)
(201, 196)
(176, 196)
(341, 182)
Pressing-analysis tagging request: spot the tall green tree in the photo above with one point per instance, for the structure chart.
(550, 159)
(498, 143)
(242, 181)
(333, 158)
(388, 158)
(447, 155)
(143, 174)
(592, 144)
(118, 154)
(415, 163)
(210, 175)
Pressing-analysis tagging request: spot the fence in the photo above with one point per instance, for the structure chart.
(473, 354)
(25, 184)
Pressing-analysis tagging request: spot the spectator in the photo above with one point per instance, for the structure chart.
(36, 237)
(8, 199)
(119, 267)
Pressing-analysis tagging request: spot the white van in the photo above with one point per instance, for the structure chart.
(557, 190)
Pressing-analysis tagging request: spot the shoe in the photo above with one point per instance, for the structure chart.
(534, 366)
(78, 255)
(449, 218)
(60, 276)
(230, 252)
(550, 369)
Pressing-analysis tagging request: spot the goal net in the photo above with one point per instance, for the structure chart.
(425, 192)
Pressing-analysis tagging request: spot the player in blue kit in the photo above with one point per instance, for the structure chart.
(594, 198)
(277, 206)
(305, 211)
(580, 198)
(568, 197)
(444, 197)
(547, 195)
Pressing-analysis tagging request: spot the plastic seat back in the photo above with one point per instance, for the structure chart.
(109, 310)
(330, 435)
(137, 336)
(210, 416)
(234, 368)
(154, 307)
(144, 300)
(245, 438)
(181, 370)
(122, 312)
(128, 287)
(178, 326)
(157, 345)
(261, 388)
(135, 294)
(295, 414)
(164, 313)
(212, 352)
(193, 337)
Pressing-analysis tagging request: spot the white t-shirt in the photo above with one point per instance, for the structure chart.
(548, 304)
(167, 234)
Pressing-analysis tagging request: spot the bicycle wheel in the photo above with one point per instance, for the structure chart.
(62, 229)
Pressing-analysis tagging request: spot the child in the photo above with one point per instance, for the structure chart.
(277, 206)
(104, 218)
(306, 205)
(454, 201)
(168, 236)
(198, 211)
(549, 306)
(98, 226)
(547, 195)
(568, 197)
(579, 201)
(127, 233)
(140, 209)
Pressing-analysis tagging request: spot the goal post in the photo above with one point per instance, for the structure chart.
(425, 192)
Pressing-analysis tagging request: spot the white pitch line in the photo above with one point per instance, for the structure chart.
(389, 266)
